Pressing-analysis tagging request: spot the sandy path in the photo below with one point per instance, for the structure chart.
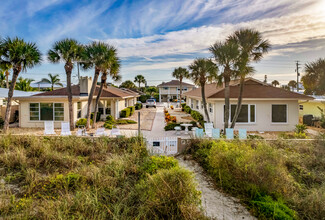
(216, 204)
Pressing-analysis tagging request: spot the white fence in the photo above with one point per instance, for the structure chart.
(162, 145)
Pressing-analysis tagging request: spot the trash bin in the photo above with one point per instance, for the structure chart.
(307, 120)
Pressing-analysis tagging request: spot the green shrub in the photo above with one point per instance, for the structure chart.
(301, 128)
(300, 135)
(131, 122)
(125, 113)
(197, 115)
(124, 122)
(109, 125)
(132, 108)
(83, 122)
(2, 122)
(110, 119)
(155, 163)
(138, 106)
(98, 116)
(143, 98)
(171, 126)
(187, 109)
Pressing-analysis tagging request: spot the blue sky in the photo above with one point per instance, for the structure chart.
(154, 37)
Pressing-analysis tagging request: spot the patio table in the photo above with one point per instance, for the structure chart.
(186, 127)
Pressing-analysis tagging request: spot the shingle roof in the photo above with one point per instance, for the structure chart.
(174, 83)
(252, 89)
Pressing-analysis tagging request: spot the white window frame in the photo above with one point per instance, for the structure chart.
(210, 108)
(39, 111)
(249, 114)
(287, 116)
(197, 104)
(191, 102)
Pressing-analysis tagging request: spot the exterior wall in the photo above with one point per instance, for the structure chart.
(310, 108)
(172, 91)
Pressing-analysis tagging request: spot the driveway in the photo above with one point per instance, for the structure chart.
(147, 116)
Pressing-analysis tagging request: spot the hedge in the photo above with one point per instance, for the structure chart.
(138, 106)
(187, 109)
(196, 115)
(143, 98)
(132, 109)
(125, 113)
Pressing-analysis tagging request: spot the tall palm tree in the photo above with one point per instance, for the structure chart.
(95, 56)
(275, 83)
(20, 55)
(128, 84)
(202, 72)
(140, 79)
(24, 84)
(111, 67)
(68, 51)
(180, 73)
(292, 84)
(53, 80)
(314, 78)
(5, 68)
(226, 55)
(252, 47)
(2, 79)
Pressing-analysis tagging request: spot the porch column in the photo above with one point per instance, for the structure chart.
(116, 110)
(105, 104)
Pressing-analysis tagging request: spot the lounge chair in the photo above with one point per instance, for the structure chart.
(116, 132)
(199, 133)
(177, 129)
(242, 133)
(65, 129)
(49, 127)
(100, 132)
(208, 129)
(216, 133)
(230, 133)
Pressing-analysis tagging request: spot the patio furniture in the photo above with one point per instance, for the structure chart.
(100, 132)
(230, 133)
(115, 131)
(177, 129)
(186, 127)
(81, 131)
(199, 133)
(208, 129)
(242, 133)
(49, 127)
(216, 133)
(65, 129)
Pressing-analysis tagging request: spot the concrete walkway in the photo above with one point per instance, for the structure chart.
(158, 125)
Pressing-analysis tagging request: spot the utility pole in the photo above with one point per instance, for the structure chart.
(298, 74)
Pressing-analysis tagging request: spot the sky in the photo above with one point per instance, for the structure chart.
(154, 37)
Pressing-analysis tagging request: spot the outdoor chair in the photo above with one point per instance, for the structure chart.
(199, 133)
(242, 133)
(208, 129)
(81, 131)
(100, 132)
(177, 129)
(216, 133)
(65, 129)
(230, 133)
(116, 132)
(49, 127)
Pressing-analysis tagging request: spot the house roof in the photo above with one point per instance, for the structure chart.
(174, 83)
(4, 93)
(109, 92)
(252, 89)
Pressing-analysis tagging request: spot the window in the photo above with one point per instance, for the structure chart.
(246, 115)
(201, 105)
(279, 113)
(78, 109)
(101, 110)
(126, 103)
(108, 108)
(46, 111)
(165, 88)
(197, 104)
(301, 107)
(184, 88)
(192, 103)
(210, 108)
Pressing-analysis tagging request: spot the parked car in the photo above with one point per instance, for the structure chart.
(139, 102)
(151, 103)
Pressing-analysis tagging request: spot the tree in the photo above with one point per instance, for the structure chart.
(5, 68)
(140, 79)
(180, 73)
(2, 80)
(53, 80)
(226, 55)
(68, 51)
(110, 67)
(252, 47)
(275, 83)
(202, 72)
(20, 55)
(151, 90)
(128, 84)
(314, 78)
(292, 84)
(24, 84)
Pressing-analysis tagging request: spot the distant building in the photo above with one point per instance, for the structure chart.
(310, 107)
(171, 90)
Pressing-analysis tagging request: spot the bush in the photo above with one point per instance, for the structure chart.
(301, 128)
(187, 109)
(110, 119)
(138, 106)
(143, 98)
(132, 108)
(300, 135)
(183, 105)
(159, 162)
(125, 113)
(98, 116)
(171, 126)
(124, 122)
(131, 122)
(2, 122)
(197, 115)
(83, 122)
(109, 125)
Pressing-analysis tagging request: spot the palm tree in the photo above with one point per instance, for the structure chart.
(24, 84)
(226, 56)
(111, 67)
(275, 83)
(292, 84)
(180, 73)
(202, 72)
(53, 80)
(252, 47)
(314, 78)
(20, 55)
(140, 79)
(5, 68)
(128, 84)
(68, 51)
(2, 80)
(95, 56)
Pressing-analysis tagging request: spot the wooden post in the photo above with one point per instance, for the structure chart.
(139, 129)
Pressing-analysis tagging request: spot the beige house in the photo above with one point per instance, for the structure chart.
(53, 105)
(170, 91)
(264, 107)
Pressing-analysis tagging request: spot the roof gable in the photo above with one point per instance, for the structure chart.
(174, 83)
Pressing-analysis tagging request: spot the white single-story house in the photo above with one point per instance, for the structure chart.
(264, 107)
(53, 105)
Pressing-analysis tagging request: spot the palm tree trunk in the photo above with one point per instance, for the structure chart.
(204, 102)
(52, 87)
(181, 89)
(91, 94)
(68, 69)
(227, 94)
(239, 102)
(10, 94)
(139, 86)
(103, 81)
